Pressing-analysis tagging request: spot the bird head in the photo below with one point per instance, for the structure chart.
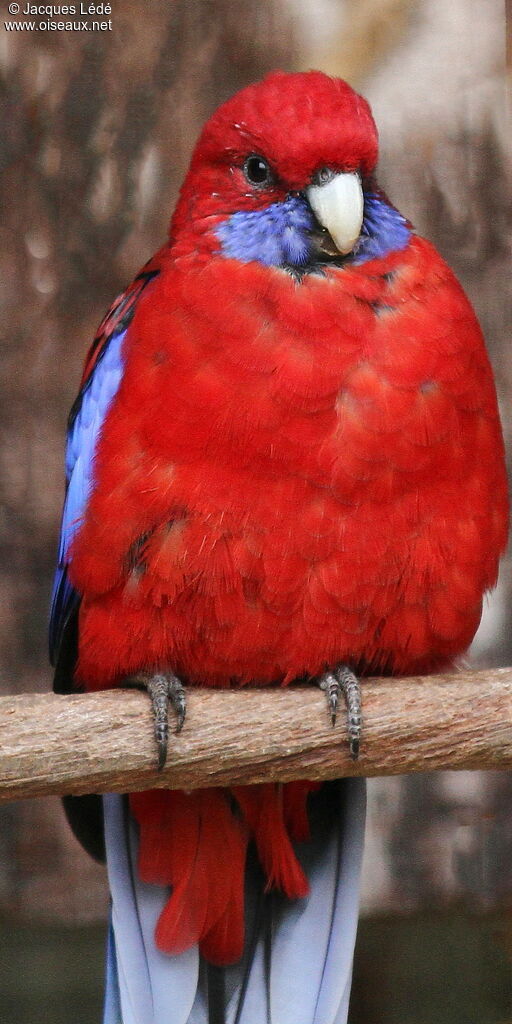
(283, 174)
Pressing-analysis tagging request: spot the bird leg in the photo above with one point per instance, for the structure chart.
(163, 689)
(343, 681)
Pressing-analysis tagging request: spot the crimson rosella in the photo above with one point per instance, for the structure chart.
(285, 462)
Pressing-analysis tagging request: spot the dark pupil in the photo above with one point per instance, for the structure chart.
(256, 170)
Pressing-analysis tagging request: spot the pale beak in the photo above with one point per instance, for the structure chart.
(338, 205)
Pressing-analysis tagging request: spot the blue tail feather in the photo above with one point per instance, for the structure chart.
(297, 963)
(112, 1006)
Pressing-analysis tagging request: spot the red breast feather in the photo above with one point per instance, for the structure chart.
(289, 478)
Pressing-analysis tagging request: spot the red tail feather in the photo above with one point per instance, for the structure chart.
(196, 844)
(262, 807)
(295, 795)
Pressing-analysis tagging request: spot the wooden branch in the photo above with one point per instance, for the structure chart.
(103, 742)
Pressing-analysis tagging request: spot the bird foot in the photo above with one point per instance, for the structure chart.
(343, 681)
(163, 689)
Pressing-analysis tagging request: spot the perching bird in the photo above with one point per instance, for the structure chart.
(285, 462)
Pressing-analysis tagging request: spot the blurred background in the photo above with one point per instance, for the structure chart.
(97, 133)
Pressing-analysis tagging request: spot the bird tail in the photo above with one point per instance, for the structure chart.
(296, 963)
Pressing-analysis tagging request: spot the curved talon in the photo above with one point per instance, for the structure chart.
(163, 689)
(343, 680)
(162, 753)
(178, 700)
(158, 691)
(349, 683)
(332, 689)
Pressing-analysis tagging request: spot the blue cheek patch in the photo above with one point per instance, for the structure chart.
(279, 235)
(384, 230)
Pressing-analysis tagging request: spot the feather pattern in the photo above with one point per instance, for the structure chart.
(193, 843)
(102, 374)
(281, 234)
(310, 940)
(83, 435)
(150, 983)
(314, 940)
(196, 843)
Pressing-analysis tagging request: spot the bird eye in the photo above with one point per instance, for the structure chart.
(257, 171)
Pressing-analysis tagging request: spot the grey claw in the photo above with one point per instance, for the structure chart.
(178, 699)
(344, 681)
(162, 753)
(163, 689)
(330, 685)
(349, 684)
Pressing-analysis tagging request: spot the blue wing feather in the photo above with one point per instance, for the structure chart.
(86, 420)
(102, 375)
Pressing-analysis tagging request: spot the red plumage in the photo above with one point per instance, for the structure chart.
(193, 843)
(290, 476)
(291, 483)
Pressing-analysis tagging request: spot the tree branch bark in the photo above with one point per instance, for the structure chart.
(103, 742)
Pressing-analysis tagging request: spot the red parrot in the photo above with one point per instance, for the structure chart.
(285, 462)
